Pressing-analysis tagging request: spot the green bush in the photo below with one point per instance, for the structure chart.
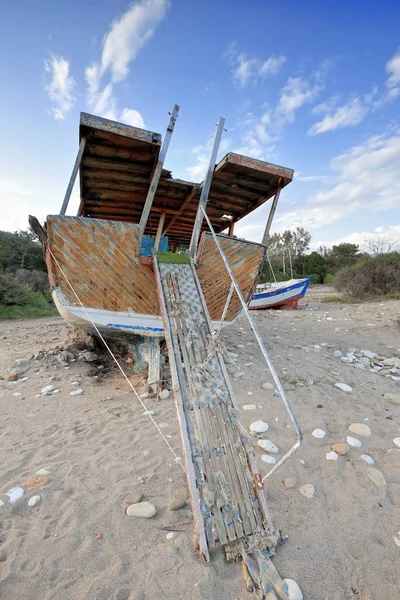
(315, 278)
(329, 279)
(13, 292)
(379, 276)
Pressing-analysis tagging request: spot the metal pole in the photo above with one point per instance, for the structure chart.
(206, 188)
(157, 171)
(290, 263)
(73, 177)
(264, 352)
(272, 212)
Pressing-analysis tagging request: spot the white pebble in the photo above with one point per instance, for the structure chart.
(43, 472)
(318, 433)
(15, 494)
(17, 394)
(34, 500)
(353, 441)
(259, 427)
(294, 592)
(170, 535)
(48, 389)
(307, 490)
(148, 412)
(397, 441)
(368, 459)
(267, 386)
(163, 394)
(248, 364)
(76, 392)
(396, 540)
(360, 429)
(268, 446)
(344, 387)
(250, 393)
(271, 460)
(331, 455)
(249, 407)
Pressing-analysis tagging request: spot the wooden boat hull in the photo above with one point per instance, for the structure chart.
(97, 275)
(286, 296)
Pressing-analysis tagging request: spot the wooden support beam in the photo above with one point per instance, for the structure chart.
(272, 213)
(186, 201)
(231, 228)
(157, 172)
(159, 231)
(73, 177)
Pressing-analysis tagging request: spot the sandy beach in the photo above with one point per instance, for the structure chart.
(98, 447)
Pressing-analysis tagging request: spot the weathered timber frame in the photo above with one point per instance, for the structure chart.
(272, 212)
(206, 188)
(73, 177)
(157, 171)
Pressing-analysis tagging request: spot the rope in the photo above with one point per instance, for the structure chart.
(177, 458)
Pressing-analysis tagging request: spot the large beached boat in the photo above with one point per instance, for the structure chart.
(156, 256)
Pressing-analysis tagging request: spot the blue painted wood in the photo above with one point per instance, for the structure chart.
(147, 245)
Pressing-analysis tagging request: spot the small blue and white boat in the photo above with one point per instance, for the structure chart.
(281, 294)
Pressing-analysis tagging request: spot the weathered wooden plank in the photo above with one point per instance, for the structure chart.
(113, 127)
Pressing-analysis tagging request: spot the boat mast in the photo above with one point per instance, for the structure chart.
(206, 188)
(157, 171)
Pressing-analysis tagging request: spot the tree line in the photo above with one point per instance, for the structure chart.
(288, 256)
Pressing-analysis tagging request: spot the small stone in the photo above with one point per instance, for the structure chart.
(34, 500)
(368, 354)
(267, 386)
(353, 441)
(397, 441)
(307, 490)
(360, 429)
(148, 412)
(134, 497)
(341, 448)
(289, 482)
(238, 374)
(294, 592)
(15, 494)
(169, 535)
(20, 366)
(331, 455)
(43, 472)
(17, 394)
(344, 387)
(289, 387)
(392, 398)
(34, 482)
(146, 453)
(249, 407)
(163, 394)
(89, 356)
(48, 389)
(208, 496)
(376, 477)
(248, 364)
(368, 459)
(76, 392)
(144, 510)
(177, 504)
(12, 377)
(270, 460)
(268, 446)
(318, 433)
(337, 353)
(259, 427)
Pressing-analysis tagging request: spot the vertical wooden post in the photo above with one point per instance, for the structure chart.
(231, 228)
(73, 177)
(206, 189)
(159, 231)
(157, 171)
(272, 213)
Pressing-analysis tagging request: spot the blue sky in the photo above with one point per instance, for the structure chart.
(313, 86)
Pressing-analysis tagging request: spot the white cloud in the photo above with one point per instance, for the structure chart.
(366, 180)
(389, 234)
(202, 156)
(132, 117)
(393, 70)
(295, 93)
(121, 45)
(249, 69)
(61, 86)
(347, 115)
